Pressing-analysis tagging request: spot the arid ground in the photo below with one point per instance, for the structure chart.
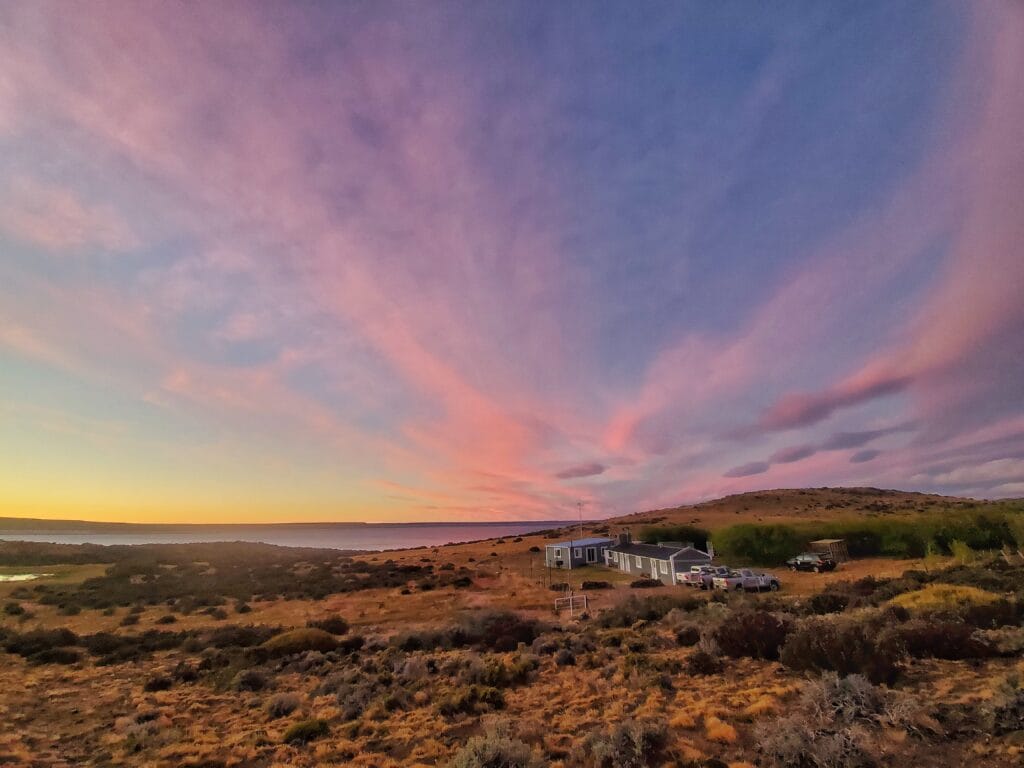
(243, 656)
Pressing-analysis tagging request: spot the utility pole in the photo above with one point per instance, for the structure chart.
(579, 509)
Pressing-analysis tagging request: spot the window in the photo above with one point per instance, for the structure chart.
(591, 554)
(558, 553)
(577, 552)
(664, 567)
(636, 559)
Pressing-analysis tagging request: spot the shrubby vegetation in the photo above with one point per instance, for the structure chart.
(828, 728)
(658, 658)
(635, 609)
(300, 641)
(471, 699)
(179, 575)
(842, 645)
(905, 537)
(496, 748)
(306, 731)
(493, 630)
(698, 537)
(755, 634)
(629, 744)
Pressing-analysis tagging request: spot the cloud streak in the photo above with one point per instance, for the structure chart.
(436, 266)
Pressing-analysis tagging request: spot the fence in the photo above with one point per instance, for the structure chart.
(573, 603)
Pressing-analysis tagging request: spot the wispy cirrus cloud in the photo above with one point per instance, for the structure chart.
(868, 454)
(746, 470)
(56, 219)
(436, 259)
(581, 470)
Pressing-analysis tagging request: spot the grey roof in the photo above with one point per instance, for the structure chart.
(656, 551)
(593, 542)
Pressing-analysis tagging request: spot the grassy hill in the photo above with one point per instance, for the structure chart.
(793, 504)
(766, 527)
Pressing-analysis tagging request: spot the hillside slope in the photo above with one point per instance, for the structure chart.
(802, 504)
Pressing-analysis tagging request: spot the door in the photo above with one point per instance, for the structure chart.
(654, 568)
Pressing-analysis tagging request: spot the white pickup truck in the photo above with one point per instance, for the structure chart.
(701, 575)
(747, 580)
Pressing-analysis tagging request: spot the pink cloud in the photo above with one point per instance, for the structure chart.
(56, 219)
(458, 298)
(581, 470)
(975, 306)
(803, 409)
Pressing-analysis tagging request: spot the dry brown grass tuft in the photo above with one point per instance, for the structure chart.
(763, 705)
(683, 720)
(719, 731)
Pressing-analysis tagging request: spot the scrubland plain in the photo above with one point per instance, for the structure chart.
(244, 655)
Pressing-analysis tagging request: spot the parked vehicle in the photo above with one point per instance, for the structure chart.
(812, 561)
(746, 580)
(701, 575)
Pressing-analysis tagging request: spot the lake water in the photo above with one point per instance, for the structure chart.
(368, 536)
(22, 576)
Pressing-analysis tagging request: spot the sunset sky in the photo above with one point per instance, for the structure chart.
(480, 260)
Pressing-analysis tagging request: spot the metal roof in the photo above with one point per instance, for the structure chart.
(656, 551)
(581, 543)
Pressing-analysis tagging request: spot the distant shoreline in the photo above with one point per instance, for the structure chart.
(38, 526)
(345, 536)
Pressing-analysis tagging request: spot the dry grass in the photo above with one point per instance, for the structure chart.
(941, 597)
(719, 731)
(48, 725)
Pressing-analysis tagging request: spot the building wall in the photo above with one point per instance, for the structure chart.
(568, 556)
(643, 570)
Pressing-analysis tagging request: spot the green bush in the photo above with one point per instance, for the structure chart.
(55, 656)
(687, 636)
(495, 749)
(282, 705)
(757, 634)
(333, 624)
(653, 608)
(630, 744)
(250, 680)
(114, 649)
(938, 640)
(843, 646)
(37, 641)
(966, 531)
(238, 636)
(471, 699)
(300, 641)
(496, 672)
(306, 731)
(157, 683)
(761, 544)
(702, 662)
(487, 629)
(827, 602)
(645, 583)
(698, 537)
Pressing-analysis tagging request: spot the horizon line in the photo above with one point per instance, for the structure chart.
(120, 524)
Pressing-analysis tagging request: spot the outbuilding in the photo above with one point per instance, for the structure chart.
(576, 553)
(836, 548)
